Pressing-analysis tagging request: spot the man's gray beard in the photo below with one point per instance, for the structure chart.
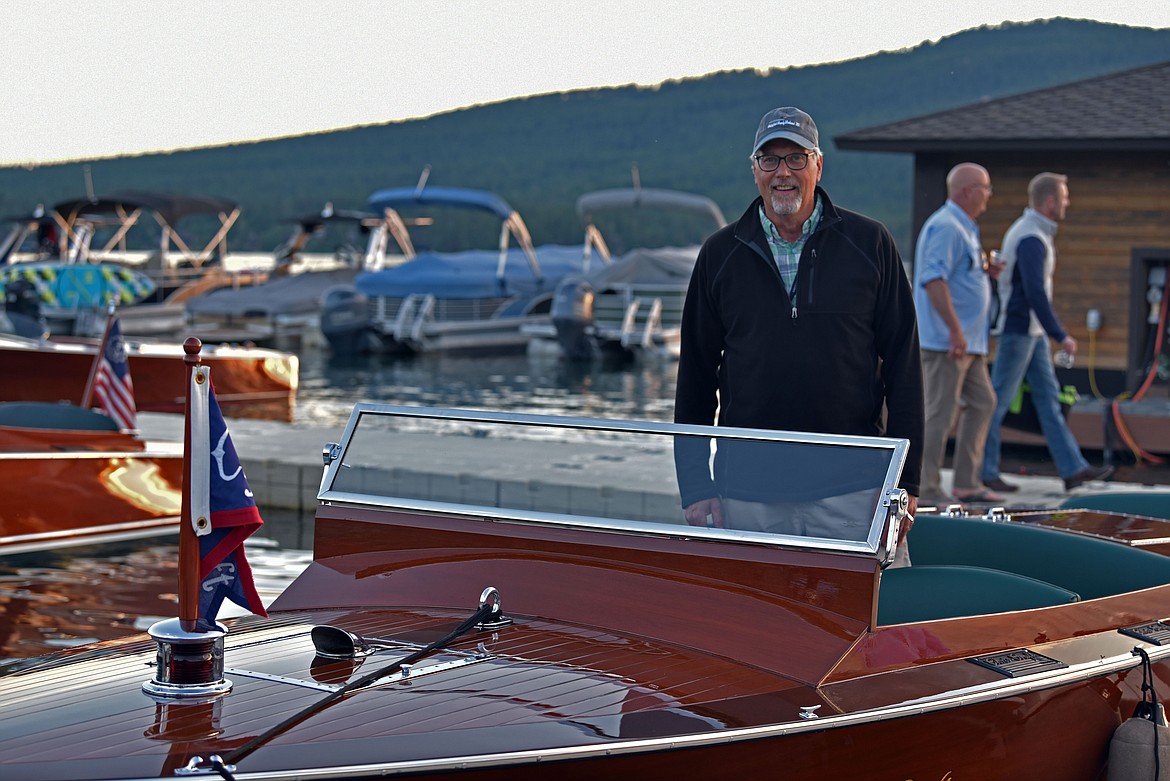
(788, 205)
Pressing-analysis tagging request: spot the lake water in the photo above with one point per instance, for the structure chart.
(513, 383)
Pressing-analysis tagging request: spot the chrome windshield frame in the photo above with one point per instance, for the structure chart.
(879, 542)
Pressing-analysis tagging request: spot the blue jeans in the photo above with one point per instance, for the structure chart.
(1016, 357)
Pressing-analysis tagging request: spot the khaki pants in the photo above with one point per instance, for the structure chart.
(844, 517)
(959, 389)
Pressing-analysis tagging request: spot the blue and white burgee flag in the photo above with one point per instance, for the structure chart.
(112, 384)
(223, 510)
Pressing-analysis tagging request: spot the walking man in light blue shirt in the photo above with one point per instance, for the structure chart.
(952, 295)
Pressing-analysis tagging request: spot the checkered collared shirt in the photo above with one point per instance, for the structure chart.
(787, 254)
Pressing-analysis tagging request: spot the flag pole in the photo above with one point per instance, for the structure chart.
(189, 659)
(87, 396)
(188, 541)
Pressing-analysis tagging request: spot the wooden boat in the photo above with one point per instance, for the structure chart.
(251, 382)
(71, 477)
(514, 596)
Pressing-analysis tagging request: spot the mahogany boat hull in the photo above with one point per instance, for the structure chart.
(51, 499)
(250, 382)
(623, 642)
(599, 705)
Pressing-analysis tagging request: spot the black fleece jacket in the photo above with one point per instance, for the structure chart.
(842, 358)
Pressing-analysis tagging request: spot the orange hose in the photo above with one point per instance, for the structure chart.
(1139, 453)
(1157, 347)
(1137, 450)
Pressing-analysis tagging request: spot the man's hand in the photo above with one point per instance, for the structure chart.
(698, 513)
(958, 349)
(940, 298)
(908, 521)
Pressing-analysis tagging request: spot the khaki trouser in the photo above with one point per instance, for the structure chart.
(953, 389)
(844, 517)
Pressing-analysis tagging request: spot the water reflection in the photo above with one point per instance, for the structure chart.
(517, 383)
(60, 598)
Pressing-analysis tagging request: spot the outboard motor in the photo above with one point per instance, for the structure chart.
(345, 321)
(22, 325)
(20, 297)
(572, 316)
(21, 314)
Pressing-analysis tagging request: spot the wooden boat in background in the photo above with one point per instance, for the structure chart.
(516, 596)
(251, 382)
(71, 477)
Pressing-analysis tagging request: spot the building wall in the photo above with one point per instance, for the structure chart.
(1120, 203)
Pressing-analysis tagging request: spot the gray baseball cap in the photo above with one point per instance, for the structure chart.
(787, 122)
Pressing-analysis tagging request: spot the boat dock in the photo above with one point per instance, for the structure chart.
(1094, 424)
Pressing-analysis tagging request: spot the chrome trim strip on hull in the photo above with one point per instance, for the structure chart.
(398, 676)
(88, 535)
(90, 455)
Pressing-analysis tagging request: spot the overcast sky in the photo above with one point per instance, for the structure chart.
(104, 77)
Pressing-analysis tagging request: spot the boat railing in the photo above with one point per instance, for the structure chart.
(594, 240)
(425, 310)
(404, 318)
(637, 314)
(514, 226)
(635, 334)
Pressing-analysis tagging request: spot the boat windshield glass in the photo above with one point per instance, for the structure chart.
(810, 490)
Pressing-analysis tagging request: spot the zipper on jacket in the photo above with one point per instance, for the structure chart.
(812, 270)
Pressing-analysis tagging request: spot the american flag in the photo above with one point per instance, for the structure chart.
(220, 496)
(112, 384)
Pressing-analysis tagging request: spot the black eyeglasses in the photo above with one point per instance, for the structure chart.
(796, 161)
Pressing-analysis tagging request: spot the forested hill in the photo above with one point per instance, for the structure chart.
(692, 134)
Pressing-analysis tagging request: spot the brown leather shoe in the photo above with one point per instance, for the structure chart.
(999, 484)
(1086, 475)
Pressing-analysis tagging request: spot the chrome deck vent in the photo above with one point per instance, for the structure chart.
(1155, 632)
(1019, 662)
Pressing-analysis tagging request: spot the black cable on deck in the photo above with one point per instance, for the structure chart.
(234, 757)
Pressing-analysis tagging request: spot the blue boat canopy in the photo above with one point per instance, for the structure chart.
(473, 274)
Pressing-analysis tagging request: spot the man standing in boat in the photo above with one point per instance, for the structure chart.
(798, 317)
